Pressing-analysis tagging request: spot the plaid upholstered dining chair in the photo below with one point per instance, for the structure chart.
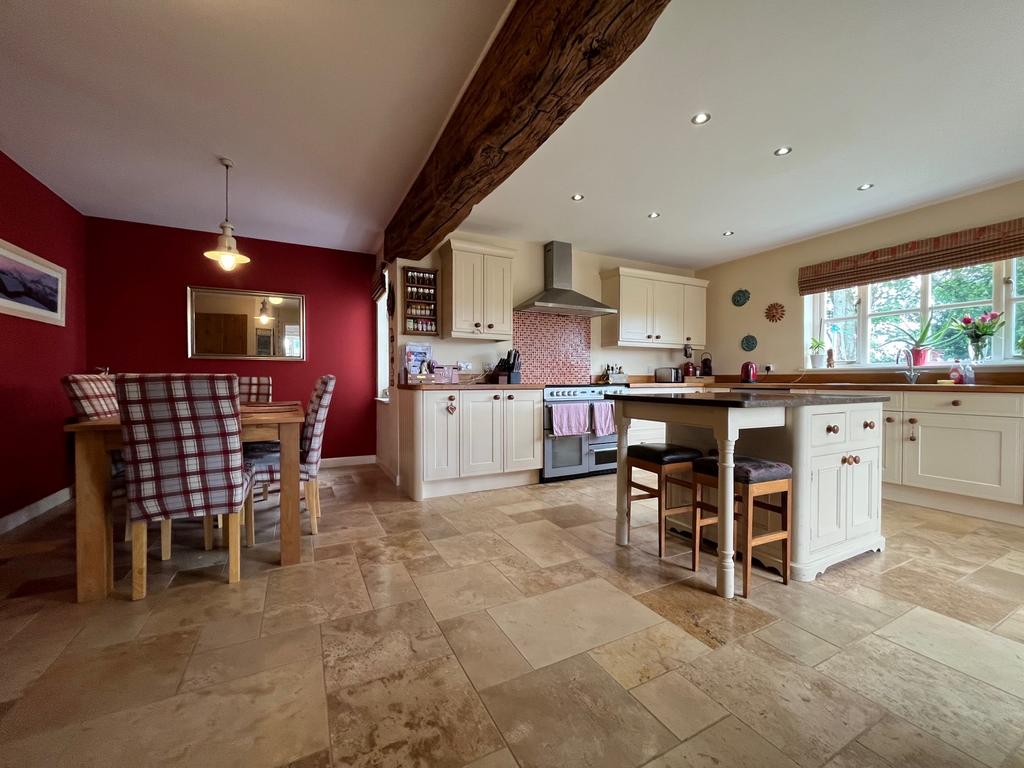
(183, 458)
(255, 389)
(268, 463)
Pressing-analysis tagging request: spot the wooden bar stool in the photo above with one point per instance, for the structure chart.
(663, 459)
(754, 478)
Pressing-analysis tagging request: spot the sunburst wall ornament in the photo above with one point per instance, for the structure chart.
(775, 312)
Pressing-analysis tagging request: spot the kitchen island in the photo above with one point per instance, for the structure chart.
(836, 501)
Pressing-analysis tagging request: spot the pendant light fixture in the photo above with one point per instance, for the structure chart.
(264, 316)
(226, 253)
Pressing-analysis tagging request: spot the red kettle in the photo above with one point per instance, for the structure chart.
(748, 372)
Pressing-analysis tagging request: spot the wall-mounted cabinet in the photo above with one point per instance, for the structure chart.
(656, 310)
(476, 291)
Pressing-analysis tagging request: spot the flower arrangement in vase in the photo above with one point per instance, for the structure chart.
(979, 332)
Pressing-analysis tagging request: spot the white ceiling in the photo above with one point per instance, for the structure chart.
(327, 107)
(923, 98)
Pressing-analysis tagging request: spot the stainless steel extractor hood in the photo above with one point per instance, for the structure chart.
(558, 297)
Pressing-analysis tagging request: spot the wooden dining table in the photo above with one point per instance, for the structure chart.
(94, 535)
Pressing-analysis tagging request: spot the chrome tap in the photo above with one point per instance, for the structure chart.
(910, 374)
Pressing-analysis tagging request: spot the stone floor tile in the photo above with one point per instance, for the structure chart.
(379, 643)
(559, 624)
(389, 584)
(223, 632)
(198, 604)
(681, 706)
(465, 590)
(472, 518)
(393, 548)
(797, 643)
(486, 654)
(856, 755)
(573, 713)
(500, 759)
(540, 580)
(878, 601)
(543, 542)
(1012, 626)
(569, 515)
(644, 655)
(905, 746)
(470, 548)
(970, 715)
(705, 615)
(314, 593)
(431, 525)
(318, 759)
(242, 659)
(804, 713)
(425, 714)
(424, 565)
(1003, 584)
(728, 743)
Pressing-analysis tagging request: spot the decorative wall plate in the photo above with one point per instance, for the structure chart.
(748, 343)
(775, 312)
(741, 297)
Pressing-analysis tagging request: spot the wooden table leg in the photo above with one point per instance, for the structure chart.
(93, 545)
(290, 547)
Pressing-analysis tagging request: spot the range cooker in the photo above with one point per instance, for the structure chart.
(577, 455)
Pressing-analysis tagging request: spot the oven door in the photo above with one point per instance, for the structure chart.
(565, 456)
(603, 456)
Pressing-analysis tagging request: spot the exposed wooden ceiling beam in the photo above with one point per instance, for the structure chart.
(547, 58)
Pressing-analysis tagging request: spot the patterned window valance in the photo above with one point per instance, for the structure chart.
(993, 242)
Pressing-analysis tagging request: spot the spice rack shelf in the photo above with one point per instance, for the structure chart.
(419, 302)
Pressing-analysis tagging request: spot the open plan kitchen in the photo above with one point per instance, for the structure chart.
(512, 384)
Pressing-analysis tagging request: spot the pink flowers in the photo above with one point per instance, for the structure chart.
(986, 324)
(967, 320)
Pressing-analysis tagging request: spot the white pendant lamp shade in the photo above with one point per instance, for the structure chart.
(264, 316)
(226, 253)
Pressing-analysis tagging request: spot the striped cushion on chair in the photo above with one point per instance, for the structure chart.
(182, 445)
(92, 395)
(255, 389)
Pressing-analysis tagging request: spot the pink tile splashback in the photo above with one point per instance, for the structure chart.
(555, 348)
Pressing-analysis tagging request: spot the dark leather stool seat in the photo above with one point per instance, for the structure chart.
(748, 469)
(662, 453)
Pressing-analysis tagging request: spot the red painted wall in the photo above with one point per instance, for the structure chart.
(136, 296)
(34, 460)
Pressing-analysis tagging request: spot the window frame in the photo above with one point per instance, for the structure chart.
(1003, 298)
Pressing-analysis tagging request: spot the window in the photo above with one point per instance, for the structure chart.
(383, 343)
(869, 324)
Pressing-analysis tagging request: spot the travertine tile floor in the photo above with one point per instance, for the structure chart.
(506, 628)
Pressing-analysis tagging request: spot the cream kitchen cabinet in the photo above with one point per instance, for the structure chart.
(892, 447)
(461, 440)
(654, 309)
(476, 291)
(975, 456)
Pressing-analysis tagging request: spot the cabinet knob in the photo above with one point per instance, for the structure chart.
(451, 397)
(490, 325)
(649, 336)
(956, 402)
(476, 325)
(844, 460)
(912, 420)
(689, 338)
(856, 459)
(658, 336)
(497, 397)
(869, 425)
(832, 429)
(912, 439)
(889, 419)
(511, 397)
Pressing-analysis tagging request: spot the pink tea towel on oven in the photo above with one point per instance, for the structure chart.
(604, 418)
(568, 419)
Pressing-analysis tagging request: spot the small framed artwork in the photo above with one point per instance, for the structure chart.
(30, 286)
(264, 342)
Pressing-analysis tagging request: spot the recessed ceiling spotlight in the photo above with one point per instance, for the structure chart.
(700, 118)
(728, 233)
(577, 197)
(782, 151)
(653, 215)
(864, 187)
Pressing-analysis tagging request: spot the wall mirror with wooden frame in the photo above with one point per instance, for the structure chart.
(246, 325)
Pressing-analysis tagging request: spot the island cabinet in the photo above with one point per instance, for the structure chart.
(476, 291)
(655, 309)
(470, 439)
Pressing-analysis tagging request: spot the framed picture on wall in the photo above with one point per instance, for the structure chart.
(30, 286)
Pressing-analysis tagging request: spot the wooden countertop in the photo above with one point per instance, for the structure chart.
(894, 387)
(746, 399)
(470, 386)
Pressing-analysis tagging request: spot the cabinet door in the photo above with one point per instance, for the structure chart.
(524, 429)
(440, 435)
(977, 456)
(828, 495)
(481, 425)
(497, 295)
(635, 295)
(667, 312)
(695, 320)
(892, 447)
(863, 493)
(467, 292)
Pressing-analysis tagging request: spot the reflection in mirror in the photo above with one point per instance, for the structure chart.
(255, 325)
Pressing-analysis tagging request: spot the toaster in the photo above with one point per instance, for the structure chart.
(667, 375)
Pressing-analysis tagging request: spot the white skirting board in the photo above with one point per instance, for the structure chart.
(34, 510)
(347, 461)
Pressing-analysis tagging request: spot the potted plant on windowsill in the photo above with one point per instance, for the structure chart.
(979, 332)
(817, 352)
(922, 342)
